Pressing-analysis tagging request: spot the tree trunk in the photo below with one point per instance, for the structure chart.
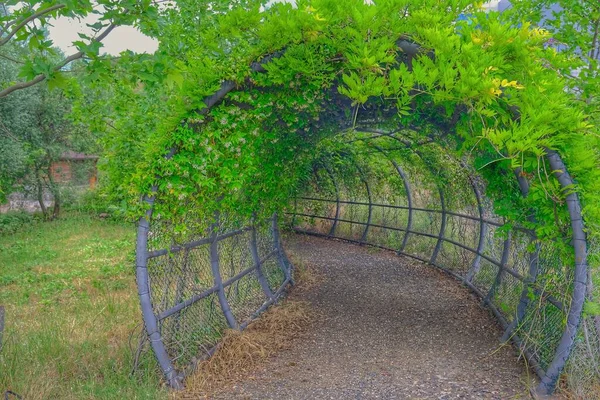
(55, 190)
(40, 191)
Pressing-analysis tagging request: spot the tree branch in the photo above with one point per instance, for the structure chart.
(28, 20)
(594, 51)
(41, 77)
(11, 59)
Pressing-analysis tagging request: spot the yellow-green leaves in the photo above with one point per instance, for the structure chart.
(359, 89)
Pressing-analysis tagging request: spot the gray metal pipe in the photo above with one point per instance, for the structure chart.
(563, 351)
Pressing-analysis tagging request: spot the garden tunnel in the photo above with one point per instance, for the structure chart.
(380, 185)
(387, 194)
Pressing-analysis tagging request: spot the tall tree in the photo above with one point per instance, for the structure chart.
(35, 130)
(575, 29)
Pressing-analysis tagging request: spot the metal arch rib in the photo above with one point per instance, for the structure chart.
(143, 280)
(476, 265)
(337, 200)
(408, 197)
(563, 351)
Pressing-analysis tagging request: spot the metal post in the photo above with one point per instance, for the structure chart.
(337, 201)
(524, 299)
(259, 272)
(476, 265)
(443, 227)
(533, 264)
(295, 212)
(143, 284)
(362, 177)
(500, 274)
(563, 351)
(438, 245)
(218, 280)
(284, 263)
(410, 205)
(408, 198)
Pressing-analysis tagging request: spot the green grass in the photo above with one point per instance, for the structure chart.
(71, 305)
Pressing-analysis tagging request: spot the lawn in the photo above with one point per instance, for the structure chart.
(72, 313)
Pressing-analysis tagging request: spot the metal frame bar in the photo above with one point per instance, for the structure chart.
(286, 266)
(431, 210)
(410, 204)
(533, 266)
(218, 280)
(337, 204)
(258, 264)
(445, 239)
(501, 269)
(438, 245)
(409, 207)
(368, 188)
(195, 243)
(563, 351)
(476, 265)
(143, 282)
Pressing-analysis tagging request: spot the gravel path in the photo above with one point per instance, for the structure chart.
(391, 328)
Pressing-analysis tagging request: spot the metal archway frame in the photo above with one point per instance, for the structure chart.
(154, 320)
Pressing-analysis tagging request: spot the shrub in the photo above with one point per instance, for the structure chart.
(94, 202)
(14, 220)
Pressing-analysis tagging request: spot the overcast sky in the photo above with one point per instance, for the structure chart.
(65, 30)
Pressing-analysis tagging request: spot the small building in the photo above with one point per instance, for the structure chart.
(75, 169)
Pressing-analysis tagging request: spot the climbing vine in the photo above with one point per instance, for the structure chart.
(483, 88)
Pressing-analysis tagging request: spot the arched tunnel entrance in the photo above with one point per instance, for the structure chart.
(388, 192)
(209, 248)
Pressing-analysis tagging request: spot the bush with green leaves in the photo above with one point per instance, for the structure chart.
(12, 221)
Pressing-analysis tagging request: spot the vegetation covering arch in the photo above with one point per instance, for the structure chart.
(254, 100)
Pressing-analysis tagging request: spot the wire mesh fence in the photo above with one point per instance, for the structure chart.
(195, 286)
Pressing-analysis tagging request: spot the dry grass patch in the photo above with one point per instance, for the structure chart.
(306, 275)
(239, 353)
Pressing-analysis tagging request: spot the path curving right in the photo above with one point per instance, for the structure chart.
(390, 328)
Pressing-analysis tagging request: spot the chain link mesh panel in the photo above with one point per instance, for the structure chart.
(195, 284)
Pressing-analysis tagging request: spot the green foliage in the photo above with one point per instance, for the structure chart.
(98, 203)
(252, 150)
(489, 91)
(36, 128)
(11, 222)
(24, 25)
(591, 309)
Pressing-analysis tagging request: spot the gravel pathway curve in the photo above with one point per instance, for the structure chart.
(390, 328)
